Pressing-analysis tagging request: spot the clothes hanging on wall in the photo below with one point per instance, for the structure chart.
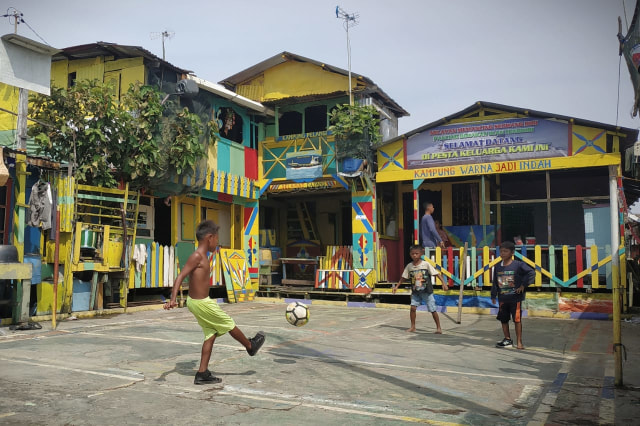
(140, 256)
(54, 209)
(40, 205)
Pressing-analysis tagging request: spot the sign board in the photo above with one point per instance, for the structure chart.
(487, 141)
(304, 165)
(25, 63)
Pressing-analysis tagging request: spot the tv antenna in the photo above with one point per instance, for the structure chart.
(14, 15)
(166, 34)
(349, 20)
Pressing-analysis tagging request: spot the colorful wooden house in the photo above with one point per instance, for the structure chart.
(310, 205)
(104, 266)
(497, 173)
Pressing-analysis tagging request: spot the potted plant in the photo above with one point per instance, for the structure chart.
(357, 130)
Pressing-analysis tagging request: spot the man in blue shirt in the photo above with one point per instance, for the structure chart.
(428, 231)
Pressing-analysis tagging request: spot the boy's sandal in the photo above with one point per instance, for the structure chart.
(256, 343)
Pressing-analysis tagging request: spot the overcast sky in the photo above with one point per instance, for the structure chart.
(434, 58)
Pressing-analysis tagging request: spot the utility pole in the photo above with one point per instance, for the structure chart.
(23, 94)
(350, 20)
(166, 34)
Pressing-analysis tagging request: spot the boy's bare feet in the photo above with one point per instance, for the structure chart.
(438, 331)
(411, 330)
(520, 347)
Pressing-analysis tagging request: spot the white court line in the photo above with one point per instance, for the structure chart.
(377, 324)
(298, 402)
(409, 367)
(345, 361)
(75, 370)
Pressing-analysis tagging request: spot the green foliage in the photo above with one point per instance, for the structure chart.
(138, 140)
(357, 129)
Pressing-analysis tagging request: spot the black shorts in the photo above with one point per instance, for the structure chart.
(508, 310)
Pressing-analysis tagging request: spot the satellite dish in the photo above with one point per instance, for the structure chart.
(187, 87)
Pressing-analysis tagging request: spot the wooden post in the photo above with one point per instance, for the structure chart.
(94, 290)
(615, 243)
(56, 259)
(463, 263)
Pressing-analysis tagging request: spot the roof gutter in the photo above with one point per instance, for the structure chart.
(222, 91)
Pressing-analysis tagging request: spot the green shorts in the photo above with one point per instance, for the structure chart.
(213, 320)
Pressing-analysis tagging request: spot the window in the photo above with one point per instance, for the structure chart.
(230, 124)
(315, 119)
(290, 123)
(71, 79)
(464, 200)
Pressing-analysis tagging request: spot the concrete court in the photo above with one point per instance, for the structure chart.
(353, 366)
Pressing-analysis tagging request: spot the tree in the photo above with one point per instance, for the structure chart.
(137, 140)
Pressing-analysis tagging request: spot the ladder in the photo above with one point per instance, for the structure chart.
(309, 229)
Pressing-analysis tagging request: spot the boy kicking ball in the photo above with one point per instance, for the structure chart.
(213, 320)
(419, 273)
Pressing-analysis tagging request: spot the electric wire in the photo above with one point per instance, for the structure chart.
(34, 31)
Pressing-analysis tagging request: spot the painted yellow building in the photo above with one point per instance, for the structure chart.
(104, 271)
(496, 173)
(312, 205)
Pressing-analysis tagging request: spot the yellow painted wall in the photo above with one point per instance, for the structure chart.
(88, 69)
(212, 157)
(45, 297)
(294, 79)
(391, 157)
(586, 139)
(59, 73)
(8, 100)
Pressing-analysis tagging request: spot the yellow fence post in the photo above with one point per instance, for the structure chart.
(594, 262)
(486, 280)
(538, 262)
(565, 263)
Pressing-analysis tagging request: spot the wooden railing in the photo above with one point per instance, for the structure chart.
(556, 266)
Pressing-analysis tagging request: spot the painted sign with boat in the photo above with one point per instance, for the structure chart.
(304, 164)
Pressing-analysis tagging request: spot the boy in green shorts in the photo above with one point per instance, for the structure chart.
(213, 320)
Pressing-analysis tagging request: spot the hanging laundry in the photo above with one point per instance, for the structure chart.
(140, 256)
(40, 205)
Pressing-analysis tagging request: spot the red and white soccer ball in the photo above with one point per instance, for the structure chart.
(297, 314)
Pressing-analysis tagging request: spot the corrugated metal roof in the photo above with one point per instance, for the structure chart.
(222, 91)
(632, 134)
(372, 88)
(101, 48)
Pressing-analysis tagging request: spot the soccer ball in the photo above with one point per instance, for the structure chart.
(297, 314)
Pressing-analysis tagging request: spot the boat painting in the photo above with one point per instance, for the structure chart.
(304, 165)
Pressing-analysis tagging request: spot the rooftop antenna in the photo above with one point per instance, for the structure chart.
(350, 20)
(16, 15)
(165, 35)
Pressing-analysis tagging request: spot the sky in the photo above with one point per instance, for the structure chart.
(433, 57)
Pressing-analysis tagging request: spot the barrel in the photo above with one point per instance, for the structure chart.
(88, 239)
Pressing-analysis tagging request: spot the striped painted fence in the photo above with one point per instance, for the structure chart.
(555, 266)
(335, 270)
(159, 269)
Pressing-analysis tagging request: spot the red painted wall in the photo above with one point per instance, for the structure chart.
(395, 258)
(251, 163)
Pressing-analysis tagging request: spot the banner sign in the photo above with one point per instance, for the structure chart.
(480, 142)
(516, 166)
(301, 186)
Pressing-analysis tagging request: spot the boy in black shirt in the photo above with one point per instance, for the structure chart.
(510, 278)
